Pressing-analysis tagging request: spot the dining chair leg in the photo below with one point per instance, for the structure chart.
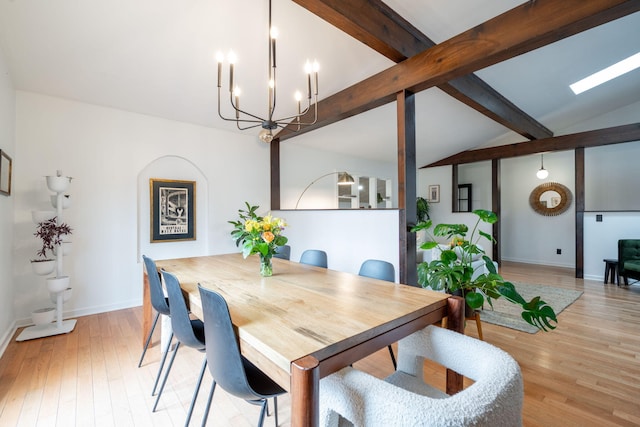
(206, 410)
(196, 391)
(393, 357)
(275, 408)
(164, 358)
(262, 412)
(146, 344)
(166, 375)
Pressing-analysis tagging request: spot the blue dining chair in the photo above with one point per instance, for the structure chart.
(160, 303)
(283, 252)
(187, 331)
(383, 270)
(232, 371)
(314, 257)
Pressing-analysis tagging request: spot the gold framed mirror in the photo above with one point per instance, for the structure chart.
(550, 199)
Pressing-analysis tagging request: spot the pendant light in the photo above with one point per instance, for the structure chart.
(542, 172)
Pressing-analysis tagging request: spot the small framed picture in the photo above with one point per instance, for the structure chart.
(5, 173)
(434, 193)
(173, 210)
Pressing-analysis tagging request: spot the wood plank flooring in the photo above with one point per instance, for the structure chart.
(585, 373)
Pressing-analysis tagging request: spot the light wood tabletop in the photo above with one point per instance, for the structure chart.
(306, 322)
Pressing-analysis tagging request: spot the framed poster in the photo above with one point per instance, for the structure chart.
(5, 173)
(173, 210)
(434, 193)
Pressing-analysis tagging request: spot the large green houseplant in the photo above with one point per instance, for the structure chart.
(453, 271)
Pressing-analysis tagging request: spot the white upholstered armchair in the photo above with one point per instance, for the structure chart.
(403, 399)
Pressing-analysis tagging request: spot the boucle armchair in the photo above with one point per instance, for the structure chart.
(403, 399)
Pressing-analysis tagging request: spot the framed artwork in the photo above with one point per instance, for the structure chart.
(434, 193)
(5, 173)
(173, 210)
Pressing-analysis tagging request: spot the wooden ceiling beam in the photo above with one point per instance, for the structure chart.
(594, 138)
(520, 30)
(378, 26)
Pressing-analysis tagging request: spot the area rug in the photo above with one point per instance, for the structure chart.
(506, 314)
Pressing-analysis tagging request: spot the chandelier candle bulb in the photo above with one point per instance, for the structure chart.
(308, 69)
(274, 35)
(220, 60)
(316, 67)
(232, 60)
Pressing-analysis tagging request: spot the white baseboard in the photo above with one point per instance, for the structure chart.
(87, 311)
(528, 261)
(6, 338)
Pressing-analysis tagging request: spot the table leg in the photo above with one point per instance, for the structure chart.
(455, 322)
(147, 312)
(305, 392)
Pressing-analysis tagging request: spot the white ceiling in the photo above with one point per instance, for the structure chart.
(156, 57)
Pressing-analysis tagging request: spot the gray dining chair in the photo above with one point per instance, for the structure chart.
(383, 270)
(283, 252)
(187, 331)
(314, 257)
(160, 303)
(229, 369)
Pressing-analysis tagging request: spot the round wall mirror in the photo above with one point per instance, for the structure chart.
(550, 199)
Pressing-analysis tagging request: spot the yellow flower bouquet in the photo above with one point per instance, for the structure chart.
(258, 235)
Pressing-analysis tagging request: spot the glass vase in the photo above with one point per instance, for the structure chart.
(266, 269)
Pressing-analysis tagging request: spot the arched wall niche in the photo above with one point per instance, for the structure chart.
(172, 168)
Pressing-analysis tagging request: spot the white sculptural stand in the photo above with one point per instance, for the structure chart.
(57, 184)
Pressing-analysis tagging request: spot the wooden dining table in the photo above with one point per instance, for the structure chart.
(305, 322)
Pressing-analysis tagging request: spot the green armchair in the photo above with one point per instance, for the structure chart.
(629, 259)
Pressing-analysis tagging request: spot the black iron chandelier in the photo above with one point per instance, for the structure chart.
(245, 120)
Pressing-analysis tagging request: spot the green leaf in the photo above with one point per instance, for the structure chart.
(475, 300)
(428, 245)
(508, 290)
(489, 264)
(487, 236)
(421, 226)
(486, 216)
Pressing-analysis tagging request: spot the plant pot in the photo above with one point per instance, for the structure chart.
(66, 295)
(468, 311)
(57, 284)
(43, 267)
(66, 248)
(66, 201)
(42, 216)
(42, 316)
(58, 184)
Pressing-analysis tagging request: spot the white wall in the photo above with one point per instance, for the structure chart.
(527, 236)
(300, 166)
(7, 143)
(348, 236)
(532, 238)
(111, 154)
(601, 238)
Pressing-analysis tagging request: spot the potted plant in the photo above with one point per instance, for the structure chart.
(258, 235)
(453, 271)
(51, 234)
(422, 209)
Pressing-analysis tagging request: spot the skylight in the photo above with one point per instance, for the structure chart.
(609, 73)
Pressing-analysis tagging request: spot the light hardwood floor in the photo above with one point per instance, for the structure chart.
(584, 373)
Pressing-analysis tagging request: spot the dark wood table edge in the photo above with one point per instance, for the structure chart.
(307, 371)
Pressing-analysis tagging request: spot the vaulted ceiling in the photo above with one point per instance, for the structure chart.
(157, 58)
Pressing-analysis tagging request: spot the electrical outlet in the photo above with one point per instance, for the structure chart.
(558, 251)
